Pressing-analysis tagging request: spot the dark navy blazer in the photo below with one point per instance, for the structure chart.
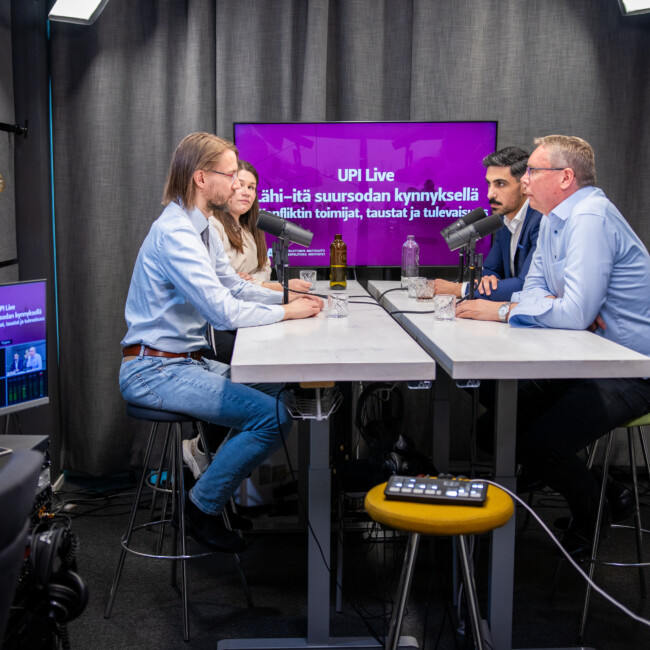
(498, 260)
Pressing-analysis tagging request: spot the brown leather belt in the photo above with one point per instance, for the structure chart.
(134, 351)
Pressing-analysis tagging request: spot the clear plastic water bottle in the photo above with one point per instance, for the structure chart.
(410, 260)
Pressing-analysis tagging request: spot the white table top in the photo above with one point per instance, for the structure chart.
(368, 345)
(469, 349)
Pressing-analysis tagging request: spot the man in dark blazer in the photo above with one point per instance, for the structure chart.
(508, 261)
(17, 364)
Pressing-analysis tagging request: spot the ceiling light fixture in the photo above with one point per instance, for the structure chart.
(81, 12)
(631, 7)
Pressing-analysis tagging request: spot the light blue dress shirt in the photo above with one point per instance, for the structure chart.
(178, 286)
(590, 259)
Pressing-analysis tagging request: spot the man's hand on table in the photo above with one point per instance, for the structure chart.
(295, 284)
(480, 309)
(448, 288)
(302, 306)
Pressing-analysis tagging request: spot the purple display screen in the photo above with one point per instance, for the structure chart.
(372, 182)
(23, 358)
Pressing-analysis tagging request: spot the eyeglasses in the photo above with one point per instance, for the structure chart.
(232, 177)
(530, 170)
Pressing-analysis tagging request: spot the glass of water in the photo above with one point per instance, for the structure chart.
(445, 307)
(337, 302)
(309, 276)
(412, 285)
(424, 290)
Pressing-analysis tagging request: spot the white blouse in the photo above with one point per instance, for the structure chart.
(245, 262)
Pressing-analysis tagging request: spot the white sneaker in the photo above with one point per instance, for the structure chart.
(194, 458)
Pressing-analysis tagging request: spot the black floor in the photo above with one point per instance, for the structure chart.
(148, 614)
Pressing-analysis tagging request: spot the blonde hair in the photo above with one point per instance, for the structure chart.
(573, 152)
(195, 151)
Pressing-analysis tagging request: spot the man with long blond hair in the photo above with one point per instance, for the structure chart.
(182, 281)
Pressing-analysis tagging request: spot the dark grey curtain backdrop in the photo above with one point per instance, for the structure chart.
(128, 88)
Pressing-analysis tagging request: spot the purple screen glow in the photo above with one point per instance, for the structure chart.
(372, 182)
(23, 357)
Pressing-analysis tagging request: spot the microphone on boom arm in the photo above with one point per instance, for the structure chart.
(464, 236)
(465, 220)
(286, 232)
(283, 229)
(477, 230)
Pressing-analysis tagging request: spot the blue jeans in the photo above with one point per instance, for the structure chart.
(204, 390)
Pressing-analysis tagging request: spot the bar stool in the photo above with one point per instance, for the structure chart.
(632, 426)
(430, 519)
(167, 480)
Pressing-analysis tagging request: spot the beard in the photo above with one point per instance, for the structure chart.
(215, 206)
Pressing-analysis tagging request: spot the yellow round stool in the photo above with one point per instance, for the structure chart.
(431, 519)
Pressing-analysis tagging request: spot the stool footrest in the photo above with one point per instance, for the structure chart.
(151, 524)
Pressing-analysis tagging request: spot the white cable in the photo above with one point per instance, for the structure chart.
(576, 566)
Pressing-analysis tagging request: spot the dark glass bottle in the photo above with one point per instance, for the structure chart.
(338, 263)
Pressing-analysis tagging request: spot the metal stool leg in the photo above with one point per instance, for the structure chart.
(126, 539)
(242, 578)
(204, 441)
(644, 449)
(242, 575)
(180, 495)
(470, 591)
(164, 462)
(403, 591)
(594, 547)
(339, 554)
(592, 454)
(159, 473)
(637, 515)
(176, 509)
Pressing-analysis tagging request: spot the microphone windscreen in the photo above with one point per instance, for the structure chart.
(488, 225)
(297, 234)
(268, 222)
(478, 229)
(463, 222)
(474, 216)
(279, 227)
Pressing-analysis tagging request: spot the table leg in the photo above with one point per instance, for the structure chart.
(318, 563)
(502, 552)
(318, 547)
(441, 415)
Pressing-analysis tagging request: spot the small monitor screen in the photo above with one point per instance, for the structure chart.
(374, 183)
(23, 358)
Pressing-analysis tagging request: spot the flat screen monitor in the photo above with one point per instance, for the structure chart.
(372, 182)
(23, 353)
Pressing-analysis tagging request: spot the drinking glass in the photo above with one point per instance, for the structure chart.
(337, 302)
(445, 307)
(309, 276)
(424, 290)
(411, 284)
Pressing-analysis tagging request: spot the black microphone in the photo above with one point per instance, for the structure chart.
(465, 220)
(477, 230)
(281, 228)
